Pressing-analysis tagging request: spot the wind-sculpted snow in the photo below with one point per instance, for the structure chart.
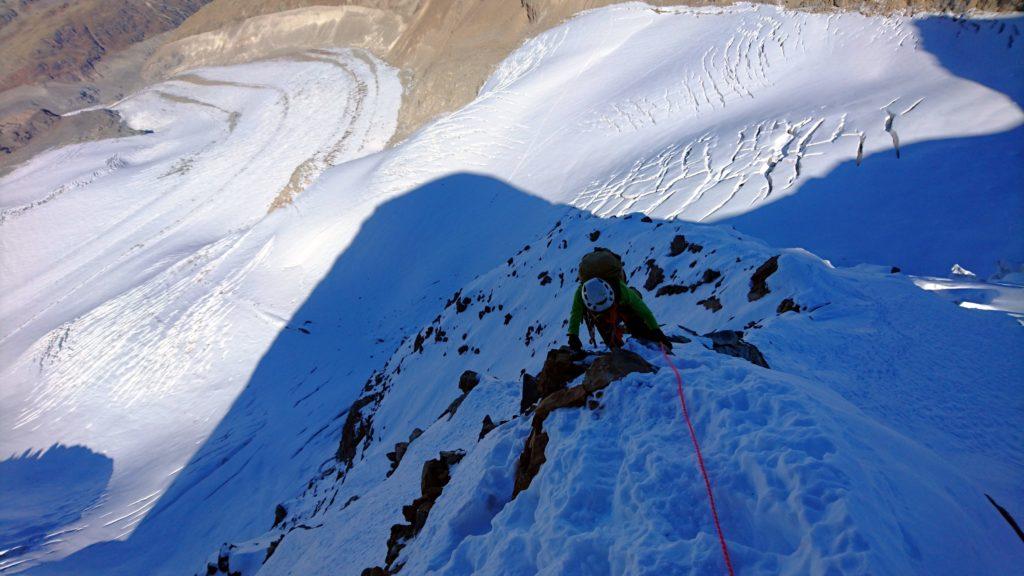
(213, 305)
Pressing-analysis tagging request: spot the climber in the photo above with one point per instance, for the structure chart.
(607, 303)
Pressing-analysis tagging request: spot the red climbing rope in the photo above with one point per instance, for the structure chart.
(700, 460)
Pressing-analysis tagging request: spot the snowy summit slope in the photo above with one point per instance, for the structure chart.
(197, 312)
(816, 468)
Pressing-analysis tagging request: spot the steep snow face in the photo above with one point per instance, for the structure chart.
(866, 448)
(122, 263)
(201, 304)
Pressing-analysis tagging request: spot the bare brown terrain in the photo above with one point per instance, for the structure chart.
(60, 55)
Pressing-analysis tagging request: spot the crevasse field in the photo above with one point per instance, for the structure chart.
(188, 314)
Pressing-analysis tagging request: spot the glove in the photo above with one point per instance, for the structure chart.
(574, 342)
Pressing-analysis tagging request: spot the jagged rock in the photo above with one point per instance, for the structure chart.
(530, 394)
(397, 454)
(678, 245)
(655, 275)
(435, 476)
(402, 447)
(273, 547)
(679, 339)
(468, 381)
(601, 372)
(559, 369)
(452, 457)
(614, 366)
(486, 426)
(712, 303)
(709, 276)
(759, 281)
(280, 513)
(595, 235)
(731, 342)
(787, 305)
(375, 571)
(670, 290)
(356, 429)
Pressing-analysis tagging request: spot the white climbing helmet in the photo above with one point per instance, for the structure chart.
(598, 295)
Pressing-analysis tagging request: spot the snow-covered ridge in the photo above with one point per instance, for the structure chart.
(162, 319)
(620, 492)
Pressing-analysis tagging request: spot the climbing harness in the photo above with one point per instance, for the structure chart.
(700, 460)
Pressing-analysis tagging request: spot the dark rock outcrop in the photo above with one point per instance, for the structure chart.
(561, 366)
(486, 426)
(435, 476)
(601, 372)
(280, 513)
(655, 275)
(759, 281)
(787, 305)
(671, 290)
(711, 303)
(467, 382)
(678, 245)
(731, 343)
(709, 276)
(356, 430)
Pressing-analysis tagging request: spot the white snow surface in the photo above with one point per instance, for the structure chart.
(191, 354)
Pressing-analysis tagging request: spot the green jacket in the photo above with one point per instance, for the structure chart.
(629, 300)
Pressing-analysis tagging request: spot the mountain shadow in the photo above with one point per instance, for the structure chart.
(405, 261)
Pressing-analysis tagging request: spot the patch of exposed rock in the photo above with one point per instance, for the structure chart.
(598, 375)
(561, 366)
(731, 343)
(759, 281)
(435, 476)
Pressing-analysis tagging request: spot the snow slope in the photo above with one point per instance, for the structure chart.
(857, 452)
(201, 304)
